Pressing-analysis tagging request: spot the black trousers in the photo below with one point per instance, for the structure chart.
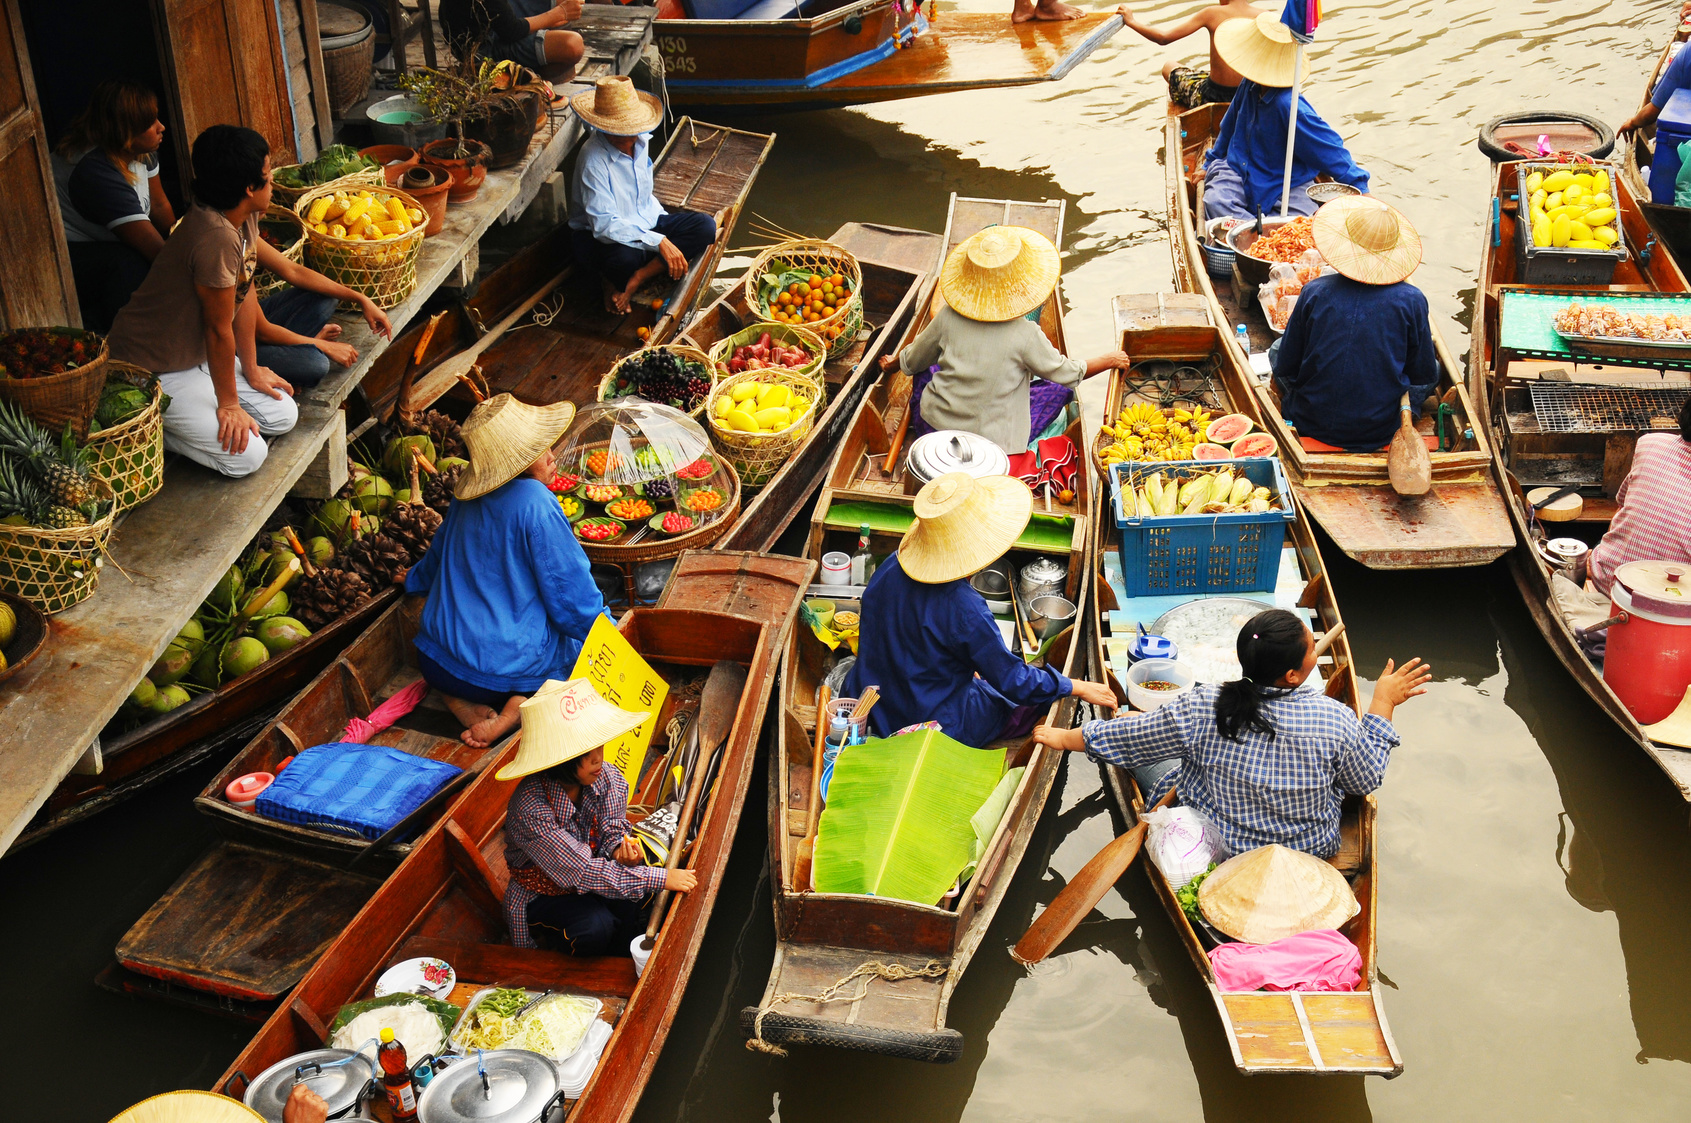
(691, 232)
(585, 923)
(107, 275)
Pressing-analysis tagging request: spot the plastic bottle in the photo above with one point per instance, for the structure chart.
(396, 1076)
(863, 561)
(1244, 337)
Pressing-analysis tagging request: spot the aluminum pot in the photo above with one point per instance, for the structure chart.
(494, 1086)
(953, 450)
(1044, 577)
(338, 1075)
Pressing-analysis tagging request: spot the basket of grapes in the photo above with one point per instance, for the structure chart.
(670, 374)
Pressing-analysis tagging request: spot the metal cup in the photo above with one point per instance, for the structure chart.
(1050, 615)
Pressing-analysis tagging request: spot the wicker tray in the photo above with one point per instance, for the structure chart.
(691, 354)
(56, 400)
(383, 270)
(656, 547)
(54, 569)
(130, 455)
(839, 328)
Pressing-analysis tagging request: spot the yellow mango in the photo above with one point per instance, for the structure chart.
(1599, 216)
(1535, 181)
(1541, 231)
(1537, 198)
(776, 395)
(1570, 211)
(774, 418)
(724, 403)
(1552, 200)
(1600, 181)
(1606, 235)
(745, 391)
(1559, 231)
(798, 404)
(1572, 193)
(1602, 199)
(1578, 232)
(743, 421)
(1585, 181)
(1555, 181)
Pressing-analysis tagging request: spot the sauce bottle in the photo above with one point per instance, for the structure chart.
(396, 1077)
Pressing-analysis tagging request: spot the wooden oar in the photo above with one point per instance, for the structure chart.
(445, 373)
(813, 809)
(412, 364)
(1408, 466)
(1326, 641)
(716, 720)
(1082, 893)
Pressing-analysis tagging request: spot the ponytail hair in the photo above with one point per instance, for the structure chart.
(1270, 644)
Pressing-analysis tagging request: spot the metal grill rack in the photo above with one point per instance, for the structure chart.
(1578, 407)
(1169, 383)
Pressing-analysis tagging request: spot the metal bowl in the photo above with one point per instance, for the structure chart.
(991, 584)
(1327, 192)
(1252, 270)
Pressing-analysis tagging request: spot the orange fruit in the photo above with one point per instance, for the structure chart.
(793, 288)
(837, 279)
(657, 304)
(785, 298)
(815, 281)
(642, 332)
(804, 290)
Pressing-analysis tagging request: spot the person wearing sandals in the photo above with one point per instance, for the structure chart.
(579, 882)
(617, 226)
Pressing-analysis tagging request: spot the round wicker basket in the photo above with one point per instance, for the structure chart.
(758, 456)
(790, 334)
(688, 354)
(384, 269)
(130, 455)
(54, 569)
(266, 283)
(56, 400)
(839, 328)
(655, 547)
(288, 196)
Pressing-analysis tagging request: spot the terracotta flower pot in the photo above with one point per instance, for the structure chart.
(429, 186)
(449, 152)
(396, 160)
(466, 182)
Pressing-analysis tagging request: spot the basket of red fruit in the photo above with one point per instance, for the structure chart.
(771, 345)
(599, 529)
(55, 375)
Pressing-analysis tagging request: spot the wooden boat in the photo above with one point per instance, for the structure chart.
(782, 54)
(445, 899)
(1460, 522)
(823, 937)
(211, 723)
(1596, 461)
(1325, 1034)
(1671, 224)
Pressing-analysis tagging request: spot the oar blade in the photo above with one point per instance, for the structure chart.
(1063, 915)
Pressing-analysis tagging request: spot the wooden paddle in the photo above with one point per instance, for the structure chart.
(1407, 463)
(717, 707)
(813, 809)
(449, 370)
(1063, 915)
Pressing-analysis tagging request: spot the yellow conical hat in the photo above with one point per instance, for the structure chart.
(504, 436)
(963, 524)
(1271, 892)
(1262, 49)
(564, 720)
(1367, 240)
(1000, 274)
(188, 1107)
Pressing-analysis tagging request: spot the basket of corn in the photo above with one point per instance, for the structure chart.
(285, 231)
(759, 417)
(367, 238)
(813, 284)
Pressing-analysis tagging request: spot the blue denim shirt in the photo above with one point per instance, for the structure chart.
(1252, 139)
(612, 194)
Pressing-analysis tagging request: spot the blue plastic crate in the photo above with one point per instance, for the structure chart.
(1202, 553)
(353, 789)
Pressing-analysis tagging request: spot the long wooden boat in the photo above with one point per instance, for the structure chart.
(823, 937)
(1671, 224)
(445, 899)
(1324, 1034)
(1595, 461)
(1460, 522)
(782, 54)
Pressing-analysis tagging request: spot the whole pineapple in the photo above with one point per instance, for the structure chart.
(62, 468)
(21, 498)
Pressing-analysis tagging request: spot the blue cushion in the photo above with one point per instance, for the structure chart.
(353, 789)
(772, 9)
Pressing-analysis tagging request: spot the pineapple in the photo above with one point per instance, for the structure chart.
(62, 468)
(65, 518)
(20, 496)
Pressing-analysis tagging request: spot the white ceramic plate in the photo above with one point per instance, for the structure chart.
(409, 978)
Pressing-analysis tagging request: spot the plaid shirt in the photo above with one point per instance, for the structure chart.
(571, 843)
(1257, 791)
(1652, 524)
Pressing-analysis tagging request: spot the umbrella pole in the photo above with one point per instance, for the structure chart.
(1292, 131)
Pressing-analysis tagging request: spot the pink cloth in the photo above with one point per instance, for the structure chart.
(360, 729)
(1322, 960)
(1654, 520)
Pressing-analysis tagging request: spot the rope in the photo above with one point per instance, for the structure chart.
(874, 969)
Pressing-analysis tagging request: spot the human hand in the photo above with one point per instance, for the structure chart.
(341, 354)
(887, 362)
(304, 1106)
(399, 577)
(1399, 684)
(568, 11)
(1067, 740)
(267, 381)
(374, 316)
(1096, 693)
(674, 258)
(1118, 360)
(234, 428)
(628, 851)
(681, 881)
(1126, 15)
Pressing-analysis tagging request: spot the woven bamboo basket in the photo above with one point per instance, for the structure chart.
(130, 455)
(384, 270)
(54, 569)
(758, 456)
(288, 196)
(56, 400)
(264, 281)
(690, 354)
(790, 334)
(840, 327)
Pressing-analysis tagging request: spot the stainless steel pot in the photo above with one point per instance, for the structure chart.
(338, 1075)
(1044, 577)
(1050, 615)
(494, 1086)
(953, 450)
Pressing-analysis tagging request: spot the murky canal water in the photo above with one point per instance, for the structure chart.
(1535, 902)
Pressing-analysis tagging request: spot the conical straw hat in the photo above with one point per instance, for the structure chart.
(188, 1107)
(1000, 274)
(504, 436)
(963, 524)
(614, 106)
(1675, 729)
(564, 720)
(1367, 240)
(1271, 892)
(1262, 49)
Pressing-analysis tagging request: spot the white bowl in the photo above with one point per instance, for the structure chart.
(1162, 670)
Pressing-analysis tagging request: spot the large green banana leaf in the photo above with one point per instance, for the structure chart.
(897, 822)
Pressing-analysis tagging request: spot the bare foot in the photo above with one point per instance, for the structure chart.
(468, 713)
(616, 303)
(330, 330)
(486, 732)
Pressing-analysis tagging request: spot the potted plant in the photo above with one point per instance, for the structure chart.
(498, 104)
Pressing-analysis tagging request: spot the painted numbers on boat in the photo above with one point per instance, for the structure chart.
(676, 60)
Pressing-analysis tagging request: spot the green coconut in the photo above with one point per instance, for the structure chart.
(331, 518)
(402, 496)
(373, 495)
(320, 549)
(167, 698)
(143, 694)
(356, 471)
(227, 591)
(243, 655)
(368, 525)
(277, 605)
(397, 458)
(279, 633)
(205, 671)
(194, 630)
(446, 462)
(178, 657)
(276, 563)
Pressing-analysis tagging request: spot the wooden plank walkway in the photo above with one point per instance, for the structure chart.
(170, 551)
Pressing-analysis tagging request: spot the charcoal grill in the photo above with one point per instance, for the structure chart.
(1576, 407)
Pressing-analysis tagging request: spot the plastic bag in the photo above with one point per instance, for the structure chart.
(1682, 184)
(1182, 842)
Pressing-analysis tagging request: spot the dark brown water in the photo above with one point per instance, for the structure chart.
(1535, 906)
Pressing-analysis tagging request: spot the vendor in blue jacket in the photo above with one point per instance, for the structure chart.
(510, 593)
(1357, 341)
(1245, 169)
(928, 641)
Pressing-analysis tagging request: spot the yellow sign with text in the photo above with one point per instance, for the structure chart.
(625, 680)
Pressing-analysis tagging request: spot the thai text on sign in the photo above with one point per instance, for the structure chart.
(625, 680)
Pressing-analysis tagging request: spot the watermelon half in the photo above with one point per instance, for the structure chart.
(1228, 428)
(1209, 451)
(1255, 444)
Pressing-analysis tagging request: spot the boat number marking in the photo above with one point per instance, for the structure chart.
(676, 58)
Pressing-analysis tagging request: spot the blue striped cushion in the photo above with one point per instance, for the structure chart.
(353, 789)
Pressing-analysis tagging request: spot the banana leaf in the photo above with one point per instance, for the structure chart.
(897, 822)
(985, 821)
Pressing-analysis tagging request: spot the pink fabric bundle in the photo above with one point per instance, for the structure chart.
(1314, 961)
(360, 729)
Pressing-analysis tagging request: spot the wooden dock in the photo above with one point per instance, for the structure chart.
(166, 555)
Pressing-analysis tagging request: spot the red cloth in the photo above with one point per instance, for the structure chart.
(1057, 462)
(1313, 961)
(359, 730)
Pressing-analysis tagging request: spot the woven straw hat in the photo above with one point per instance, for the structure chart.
(614, 106)
(564, 720)
(1262, 49)
(1271, 892)
(188, 1107)
(1002, 273)
(1367, 240)
(963, 524)
(504, 436)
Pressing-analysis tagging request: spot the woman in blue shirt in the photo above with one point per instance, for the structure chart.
(510, 592)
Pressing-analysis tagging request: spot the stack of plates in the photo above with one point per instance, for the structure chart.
(575, 1072)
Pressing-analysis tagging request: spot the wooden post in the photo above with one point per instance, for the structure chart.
(313, 42)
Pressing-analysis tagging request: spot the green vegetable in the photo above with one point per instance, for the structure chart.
(506, 1002)
(1187, 894)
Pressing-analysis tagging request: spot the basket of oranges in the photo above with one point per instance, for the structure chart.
(365, 237)
(813, 284)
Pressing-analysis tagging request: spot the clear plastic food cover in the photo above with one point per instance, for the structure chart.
(630, 441)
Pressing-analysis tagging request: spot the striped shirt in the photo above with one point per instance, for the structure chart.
(571, 843)
(1257, 791)
(1654, 520)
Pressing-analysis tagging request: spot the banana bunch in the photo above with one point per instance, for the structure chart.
(1198, 493)
(1144, 432)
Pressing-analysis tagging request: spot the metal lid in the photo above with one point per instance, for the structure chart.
(505, 1085)
(1658, 586)
(1044, 571)
(338, 1084)
(954, 450)
(1567, 547)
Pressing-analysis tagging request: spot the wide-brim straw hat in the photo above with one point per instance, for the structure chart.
(188, 1106)
(564, 720)
(1262, 49)
(1367, 240)
(963, 524)
(614, 106)
(504, 436)
(1002, 273)
(1271, 892)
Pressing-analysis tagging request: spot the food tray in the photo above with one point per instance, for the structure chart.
(1623, 347)
(1550, 265)
(480, 996)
